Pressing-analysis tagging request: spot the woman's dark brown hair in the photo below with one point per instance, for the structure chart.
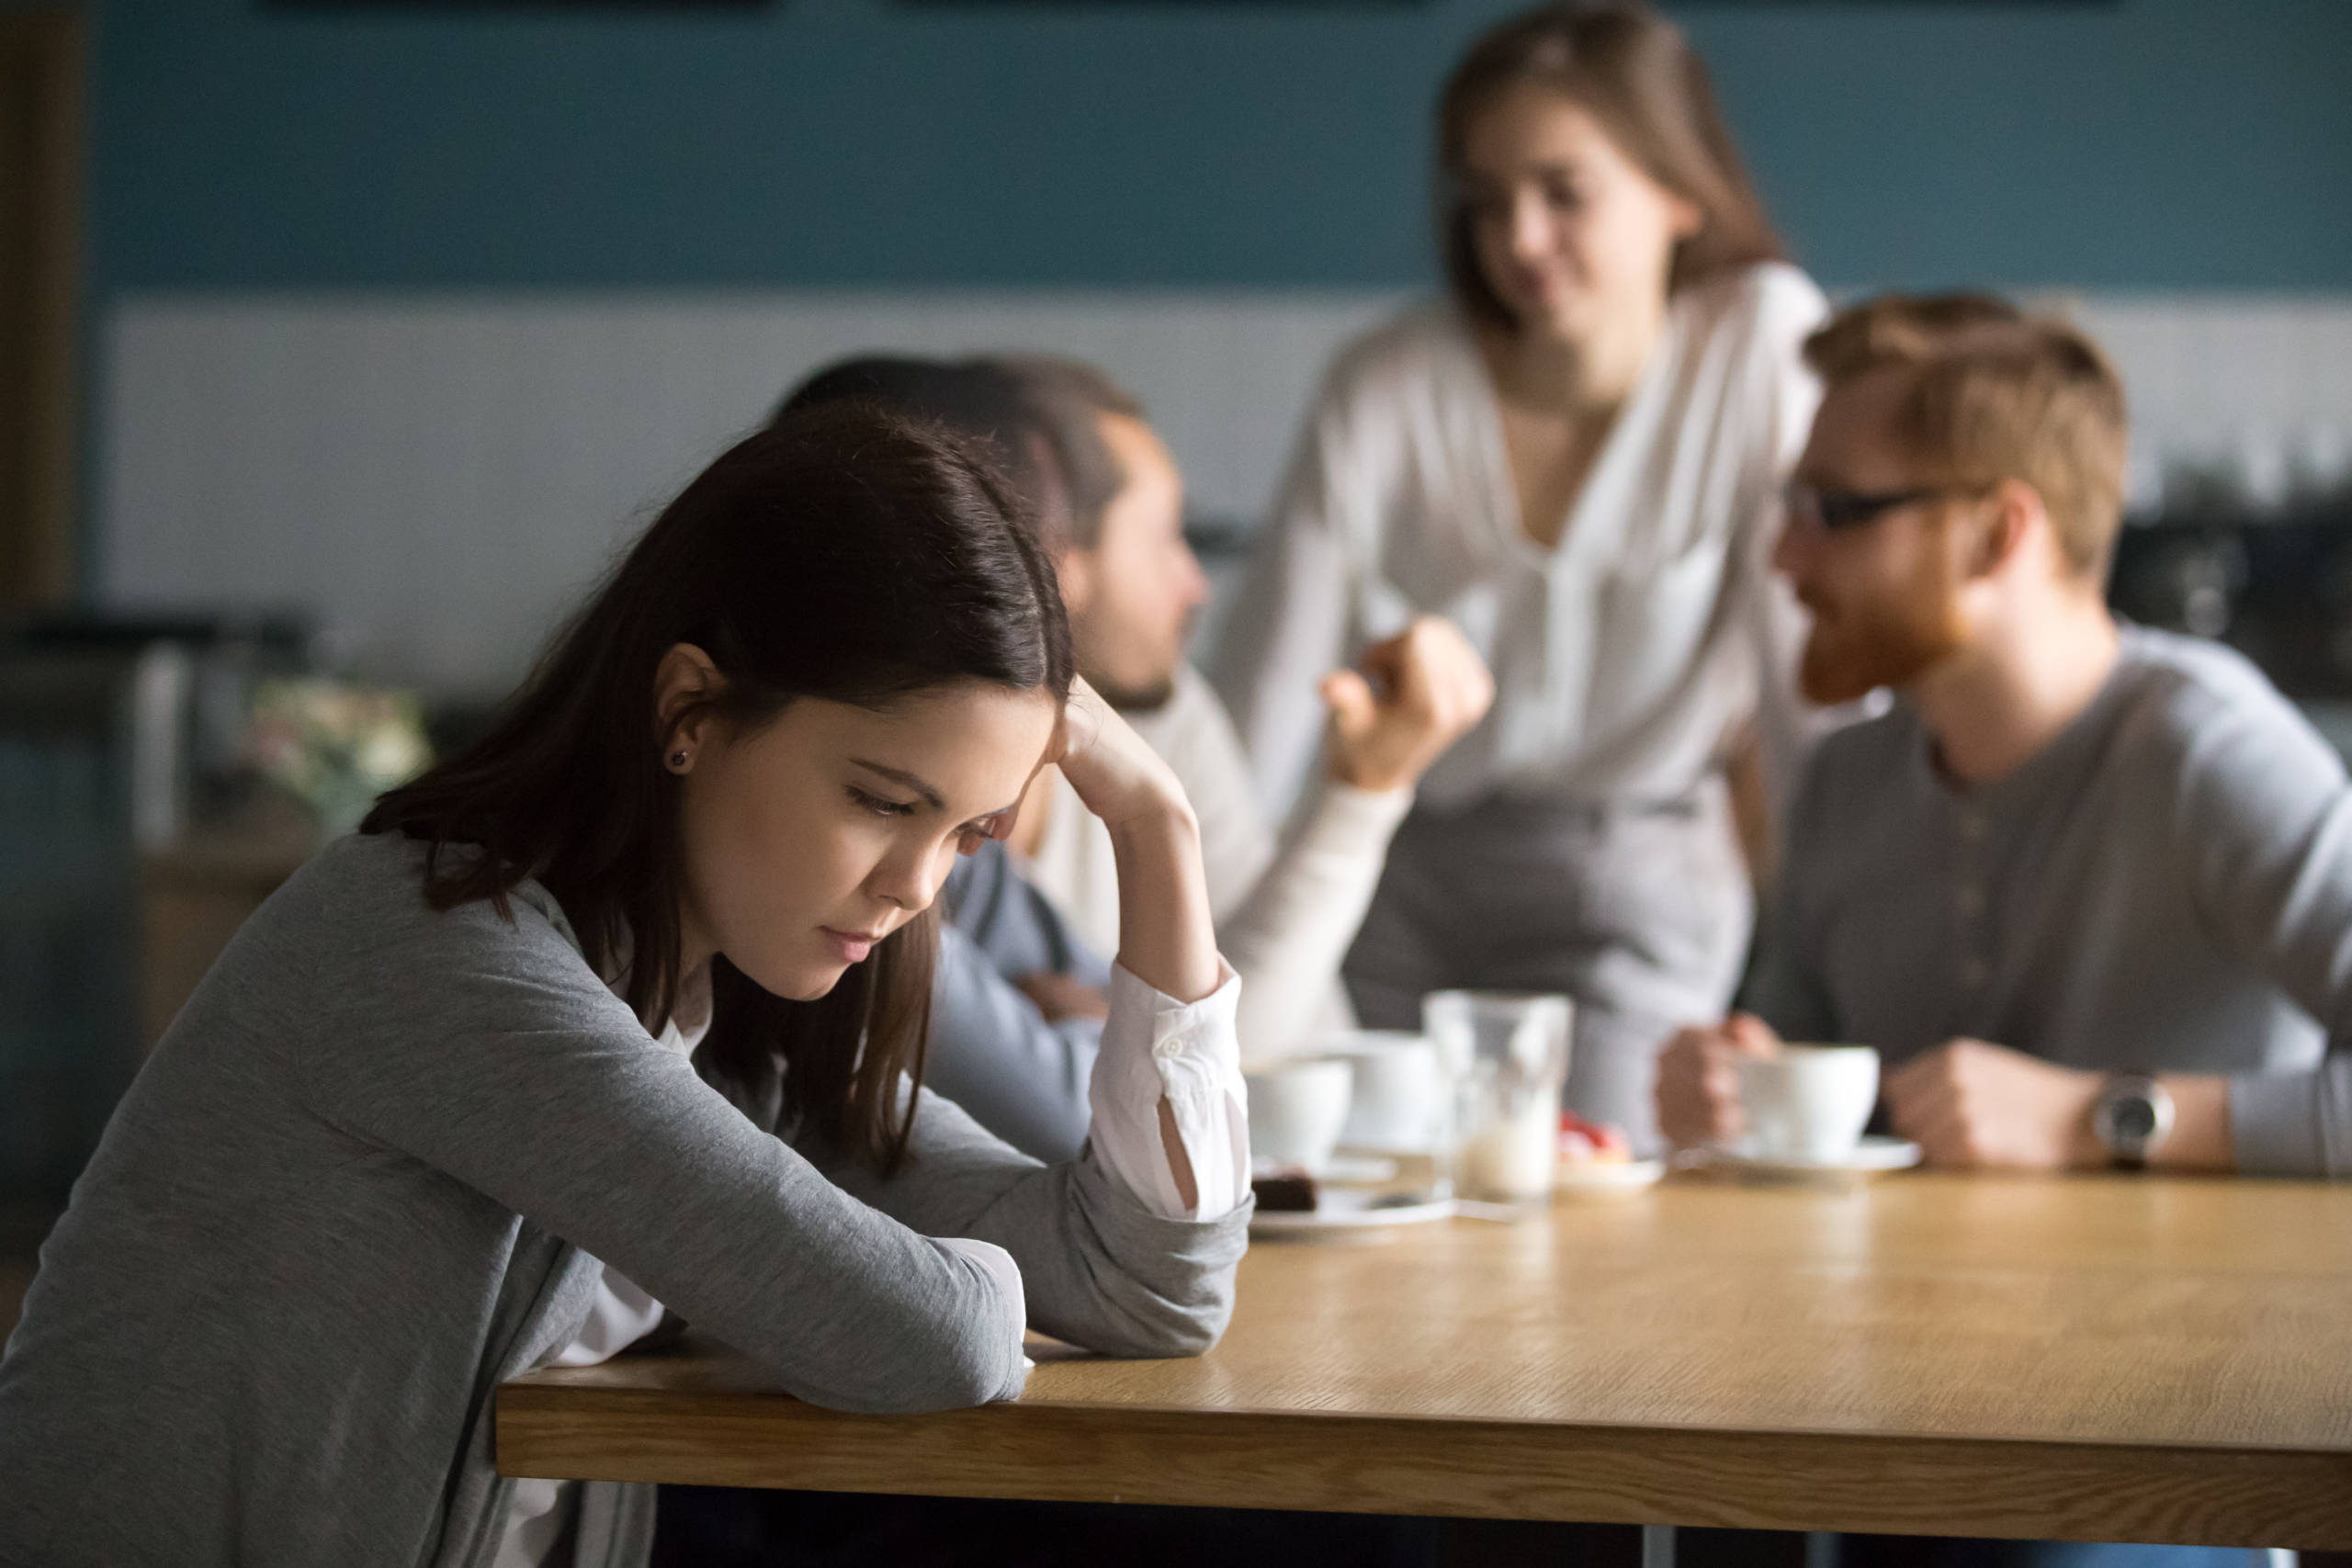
(843, 552)
(1633, 71)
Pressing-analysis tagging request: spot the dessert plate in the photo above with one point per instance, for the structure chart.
(1340, 1211)
(1871, 1155)
(1607, 1176)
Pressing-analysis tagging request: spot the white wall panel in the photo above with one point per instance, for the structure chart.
(437, 476)
(2255, 393)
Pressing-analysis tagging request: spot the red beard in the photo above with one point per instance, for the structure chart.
(1885, 642)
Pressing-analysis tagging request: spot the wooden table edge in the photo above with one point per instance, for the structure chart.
(1324, 1461)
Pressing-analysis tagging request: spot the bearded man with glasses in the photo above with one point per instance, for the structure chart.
(2087, 887)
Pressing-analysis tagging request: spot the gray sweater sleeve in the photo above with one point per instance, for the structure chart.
(2267, 827)
(1101, 1271)
(489, 1051)
(992, 1051)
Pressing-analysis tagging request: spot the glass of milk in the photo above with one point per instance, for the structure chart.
(1505, 1056)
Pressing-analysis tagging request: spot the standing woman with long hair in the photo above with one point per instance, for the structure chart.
(1577, 458)
(626, 1006)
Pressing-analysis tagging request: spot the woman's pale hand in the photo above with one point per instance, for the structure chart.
(1117, 776)
(1409, 699)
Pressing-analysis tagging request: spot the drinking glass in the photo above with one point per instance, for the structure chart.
(1506, 1058)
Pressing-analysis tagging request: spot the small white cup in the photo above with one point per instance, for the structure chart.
(1808, 1102)
(1398, 1105)
(1296, 1109)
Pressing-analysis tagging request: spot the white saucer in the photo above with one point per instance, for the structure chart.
(1619, 1176)
(1872, 1155)
(1340, 1209)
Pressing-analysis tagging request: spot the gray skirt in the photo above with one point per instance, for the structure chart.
(1639, 911)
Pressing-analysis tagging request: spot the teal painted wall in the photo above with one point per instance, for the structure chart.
(2148, 143)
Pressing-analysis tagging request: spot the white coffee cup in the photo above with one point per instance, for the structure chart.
(1808, 1102)
(1296, 1109)
(1399, 1099)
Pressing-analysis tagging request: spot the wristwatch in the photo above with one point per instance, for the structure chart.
(2132, 1119)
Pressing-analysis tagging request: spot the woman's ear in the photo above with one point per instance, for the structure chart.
(1685, 217)
(685, 684)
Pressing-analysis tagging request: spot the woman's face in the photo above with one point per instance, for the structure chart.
(1570, 233)
(812, 837)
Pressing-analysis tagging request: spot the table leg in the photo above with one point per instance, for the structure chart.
(1657, 1546)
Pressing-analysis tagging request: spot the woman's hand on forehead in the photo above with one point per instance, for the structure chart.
(1115, 774)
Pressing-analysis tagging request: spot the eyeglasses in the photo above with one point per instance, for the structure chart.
(1837, 510)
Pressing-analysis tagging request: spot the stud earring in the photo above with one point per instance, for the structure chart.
(678, 761)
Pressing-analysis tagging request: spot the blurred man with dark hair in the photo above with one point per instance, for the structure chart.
(1109, 504)
(1019, 996)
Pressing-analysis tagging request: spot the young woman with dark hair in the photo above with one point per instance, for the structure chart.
(626, 1006)
(1577, 458)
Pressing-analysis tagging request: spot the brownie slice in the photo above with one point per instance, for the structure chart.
(1286, 1190)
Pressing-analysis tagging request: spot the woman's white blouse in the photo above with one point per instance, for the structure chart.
(1625, 656)
(1152, 1046)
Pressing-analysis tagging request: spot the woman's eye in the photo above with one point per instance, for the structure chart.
(879, 807)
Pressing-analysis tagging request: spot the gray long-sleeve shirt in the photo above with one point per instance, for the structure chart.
(2165, 885)
(992, 1052)
(348, 1197)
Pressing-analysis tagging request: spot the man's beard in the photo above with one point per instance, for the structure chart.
(1146, 696)
(1135, 699)
(1890, 643)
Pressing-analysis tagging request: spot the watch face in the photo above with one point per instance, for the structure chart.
(2132, 1118)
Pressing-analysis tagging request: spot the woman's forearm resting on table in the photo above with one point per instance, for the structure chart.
(1101, 1266)
(522, 1078)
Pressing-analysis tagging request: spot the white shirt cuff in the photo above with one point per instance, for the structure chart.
(621, 1314)
(1155, 1048)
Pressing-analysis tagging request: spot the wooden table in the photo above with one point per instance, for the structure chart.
(2090, 1359)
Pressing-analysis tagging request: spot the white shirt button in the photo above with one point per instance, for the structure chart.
(1971, 900)
(1971, 826)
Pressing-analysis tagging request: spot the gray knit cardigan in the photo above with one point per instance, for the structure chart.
(348, 1196)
